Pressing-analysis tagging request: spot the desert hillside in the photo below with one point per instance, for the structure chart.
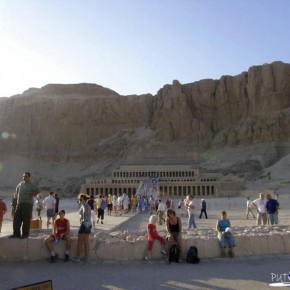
(237, 124)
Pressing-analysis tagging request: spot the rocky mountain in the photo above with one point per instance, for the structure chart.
(63, 133)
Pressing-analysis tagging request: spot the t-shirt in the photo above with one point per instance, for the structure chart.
(191, 210)
(272, 205)
(261, 205)
(26, 191)
(249, 204)
(49, 202)
(152, 230)
(61, 226)
(223, 224)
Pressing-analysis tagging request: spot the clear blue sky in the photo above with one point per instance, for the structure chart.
(136, 46)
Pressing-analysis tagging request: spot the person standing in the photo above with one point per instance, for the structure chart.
(203, 208)
(92, 203)
(272, 207)
(260, 204)
(49, 203)
(190, 208)
(161, 211)
(56, 210)
(84, 230)
(101, 206)
(249, 208)
(13, 204)
(25, 191)
(38, 205)
(3, 210)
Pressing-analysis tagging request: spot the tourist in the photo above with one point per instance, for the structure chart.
(13, 204)
(152, 236)
(151, 205)
(191, 209)
(56, 203)
(181, 207)
(203, 208)
(225, 236)
(3, 210)
(109, 204)
(84, 230)
(272, 207)
(250, 207)
(120, 204)
(140, 204)
(115, 204)
(25, 192)
(161, 211)
(101, 205)
(125, 203)
(260, 204)
(92, 203)
(61, 231)
(38, 206)
(134, 203)
(49, 203)
(174, 229)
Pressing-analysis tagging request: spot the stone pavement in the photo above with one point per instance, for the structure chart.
(217, 274)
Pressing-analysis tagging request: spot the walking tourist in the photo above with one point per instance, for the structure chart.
(203, 208)
(250, 208)
(191, 209)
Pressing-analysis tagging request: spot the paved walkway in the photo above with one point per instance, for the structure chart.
(217, 274)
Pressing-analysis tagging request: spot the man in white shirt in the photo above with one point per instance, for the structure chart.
(190, 209)
(260, 204)
(249, 208)
(160, 211)
(49, 203)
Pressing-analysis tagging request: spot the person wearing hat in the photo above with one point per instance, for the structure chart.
(61, 231)
(3, 210)
(203, 208)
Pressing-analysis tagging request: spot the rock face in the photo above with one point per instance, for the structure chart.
(247, 115)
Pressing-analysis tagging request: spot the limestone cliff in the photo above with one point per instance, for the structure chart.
(89, 125)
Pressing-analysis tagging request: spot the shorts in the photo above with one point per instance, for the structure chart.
(85, 230)
(50, 212)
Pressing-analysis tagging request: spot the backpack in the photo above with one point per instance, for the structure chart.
(174, 254)
(192, 255)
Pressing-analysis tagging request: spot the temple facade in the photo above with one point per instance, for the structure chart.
(164, 180)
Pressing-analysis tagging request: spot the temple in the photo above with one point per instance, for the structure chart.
(164, 180)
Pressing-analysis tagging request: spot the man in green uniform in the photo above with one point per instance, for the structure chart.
(25, 191)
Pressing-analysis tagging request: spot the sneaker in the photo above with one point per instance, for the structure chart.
(14, 237)
(23, 237)
(66, 258)
(231, 254)
(163, 252)
(52, 259)
(145, 259)
(76, 259)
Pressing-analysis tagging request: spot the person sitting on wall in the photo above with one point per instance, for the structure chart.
(225, 236)
(61, 231)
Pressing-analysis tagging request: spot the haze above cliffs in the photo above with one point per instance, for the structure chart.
(237, 124)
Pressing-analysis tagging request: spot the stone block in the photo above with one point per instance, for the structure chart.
(139, 249)
(259, 245)
(199, 243)
(286, 240)
(120, 250)
(12, 249)
(211, 248)
(276, 244)
(243, 247)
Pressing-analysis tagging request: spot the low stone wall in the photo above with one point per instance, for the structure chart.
(251, 241)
